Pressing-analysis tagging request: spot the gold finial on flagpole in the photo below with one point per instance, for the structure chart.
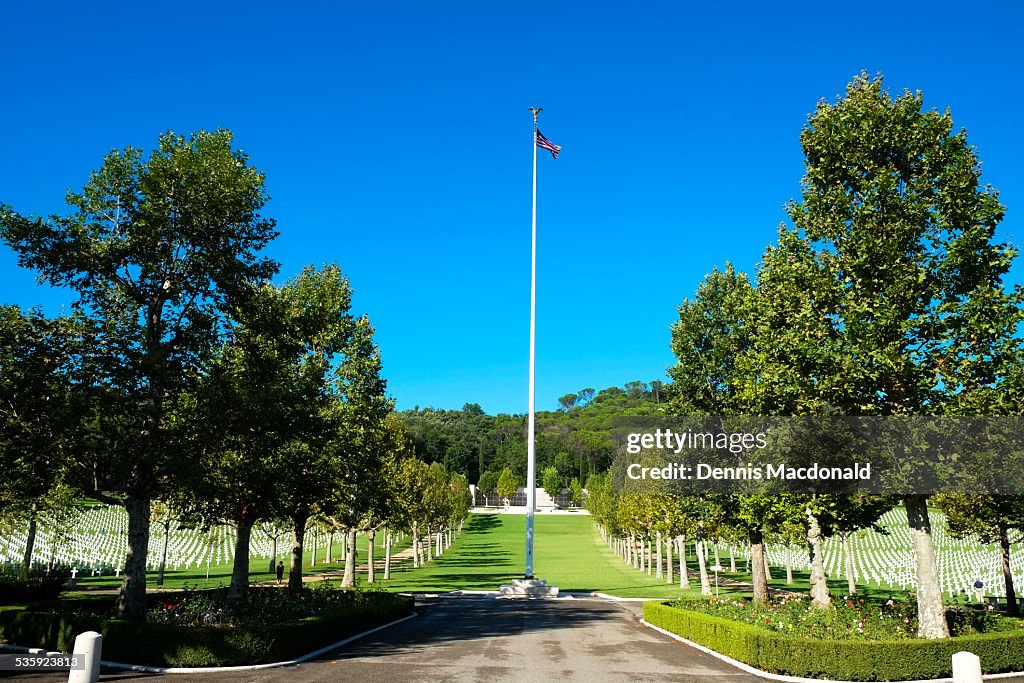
(536, 110)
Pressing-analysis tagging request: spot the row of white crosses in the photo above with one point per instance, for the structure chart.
(888, 561)
(97, 543)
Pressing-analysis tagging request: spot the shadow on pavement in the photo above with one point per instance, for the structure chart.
(467, 618)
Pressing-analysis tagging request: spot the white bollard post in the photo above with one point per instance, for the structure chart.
(966, 668)
(88, 649)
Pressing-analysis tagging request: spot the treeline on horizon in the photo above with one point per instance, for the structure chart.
(576, 439)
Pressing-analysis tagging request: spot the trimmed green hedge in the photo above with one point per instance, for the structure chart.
(15, 588)
(167, 645)
(52, 630)
(850, 660)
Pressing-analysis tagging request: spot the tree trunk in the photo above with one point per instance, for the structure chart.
(298, 538)
(931, 612)
(757, 564)
(789, 565)
(30, 542)
(273, 553)
(702, 567)
(851, 579)
(1011, 594)
(658, 560)
(312, 551)
(387, 555)
(430, 546)
(131, 601)
(684, 573)
(330, 547)
(820, 595)
(732, 559)
(371, 534)
(767, 567)
(668, 564)
(239, 588)
(718, 560)
(349, 579)
(163, 554)
(415, 547)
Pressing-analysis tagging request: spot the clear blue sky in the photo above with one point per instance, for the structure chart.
(396, 141)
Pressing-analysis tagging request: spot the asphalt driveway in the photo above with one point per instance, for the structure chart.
(475, 638)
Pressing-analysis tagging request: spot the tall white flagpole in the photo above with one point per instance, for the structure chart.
(531, 446)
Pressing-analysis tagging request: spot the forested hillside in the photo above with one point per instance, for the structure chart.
(576, 439)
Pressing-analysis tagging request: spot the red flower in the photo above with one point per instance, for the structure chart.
(849, 603)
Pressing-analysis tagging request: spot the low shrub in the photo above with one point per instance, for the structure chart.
(167, 642)
(51, 629)
(842, 659)
(195, 607)
(38, 584)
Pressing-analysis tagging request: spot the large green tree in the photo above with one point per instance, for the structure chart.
(158, 249)
(892, 247)
(990, 519)
(270, 385)
(710, 339)
(335, 470)
(39, 415)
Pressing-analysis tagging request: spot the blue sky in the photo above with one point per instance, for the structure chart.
(396, 141)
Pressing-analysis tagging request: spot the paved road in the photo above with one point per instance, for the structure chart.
(484, 639)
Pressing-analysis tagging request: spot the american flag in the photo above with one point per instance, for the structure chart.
(544, 143)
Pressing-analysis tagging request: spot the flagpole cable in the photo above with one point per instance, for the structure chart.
(531, 445)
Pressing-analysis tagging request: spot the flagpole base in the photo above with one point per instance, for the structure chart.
(528, 588)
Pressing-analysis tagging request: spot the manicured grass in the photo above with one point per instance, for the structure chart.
(567, 553)
(220, 574)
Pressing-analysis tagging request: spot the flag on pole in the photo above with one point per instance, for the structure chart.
(544, 143)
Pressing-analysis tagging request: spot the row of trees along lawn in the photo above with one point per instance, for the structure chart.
(183, 375)
(647, 529)
(884, 297)
(575, 440)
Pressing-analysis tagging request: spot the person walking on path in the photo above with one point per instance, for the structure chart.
(280, 572)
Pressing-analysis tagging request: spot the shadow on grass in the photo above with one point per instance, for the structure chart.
(481, 523)
(495, 560)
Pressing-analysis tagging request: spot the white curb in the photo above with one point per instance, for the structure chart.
(605, 596)
(798, 679)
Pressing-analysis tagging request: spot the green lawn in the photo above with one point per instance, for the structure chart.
(567, 553)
